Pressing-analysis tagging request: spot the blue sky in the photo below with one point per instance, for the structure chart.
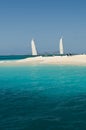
(45, 21)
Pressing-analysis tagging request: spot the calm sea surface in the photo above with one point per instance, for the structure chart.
(43, 97)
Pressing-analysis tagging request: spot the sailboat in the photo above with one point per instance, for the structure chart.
(33, 47)
(61, 47)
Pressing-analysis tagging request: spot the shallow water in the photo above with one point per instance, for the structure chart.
(43, 97)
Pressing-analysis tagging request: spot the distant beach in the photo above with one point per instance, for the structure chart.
(57, 60)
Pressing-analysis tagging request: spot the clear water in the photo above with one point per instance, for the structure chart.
(43, 97)
(14, 57)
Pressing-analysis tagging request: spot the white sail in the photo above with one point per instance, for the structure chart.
(33, 47)
(61, 47)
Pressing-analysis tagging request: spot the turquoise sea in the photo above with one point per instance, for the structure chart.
(43, 97)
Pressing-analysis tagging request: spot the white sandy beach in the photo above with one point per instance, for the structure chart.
(57, 60)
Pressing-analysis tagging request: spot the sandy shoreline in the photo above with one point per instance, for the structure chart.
(57, 60)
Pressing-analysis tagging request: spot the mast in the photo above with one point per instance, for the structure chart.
(61, 47)
(33, 48)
